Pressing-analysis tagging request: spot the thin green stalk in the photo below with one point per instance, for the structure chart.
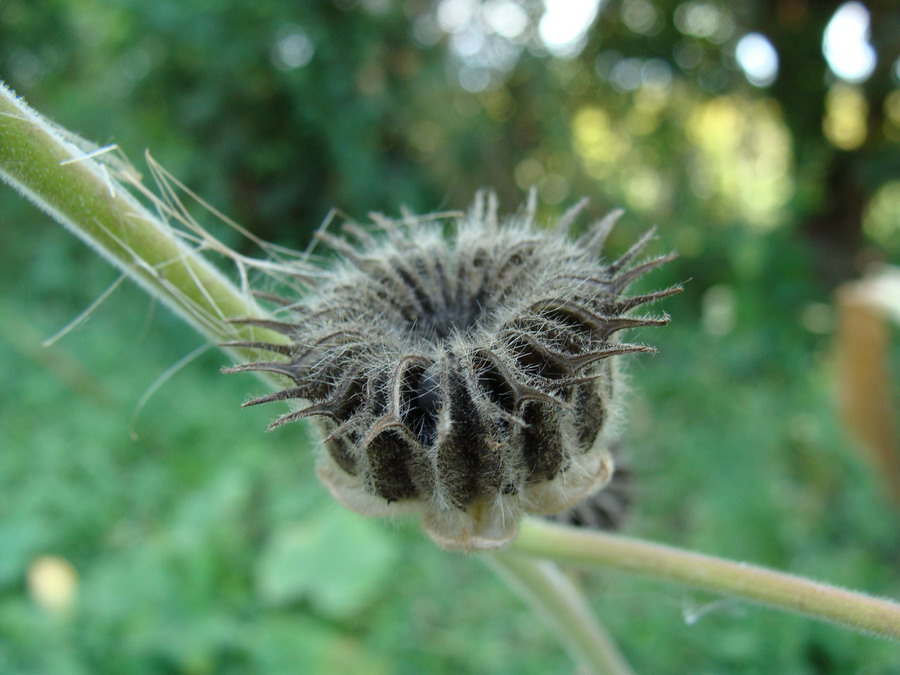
(768, 587)
(554, 597)
(51, 169)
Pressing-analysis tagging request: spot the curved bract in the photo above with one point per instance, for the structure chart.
(469, 378)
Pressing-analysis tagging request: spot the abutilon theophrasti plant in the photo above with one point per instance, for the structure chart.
(470, 381)
(471, 378)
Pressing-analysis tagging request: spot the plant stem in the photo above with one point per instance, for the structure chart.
(750, 582)
(49, 168)
(555, 597)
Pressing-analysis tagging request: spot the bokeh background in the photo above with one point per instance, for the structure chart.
(169, 534)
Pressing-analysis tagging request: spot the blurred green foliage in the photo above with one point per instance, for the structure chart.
(201, 545)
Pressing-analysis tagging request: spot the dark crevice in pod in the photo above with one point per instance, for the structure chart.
(498, 389)
(340, 453)
(420, 401)
(536, 359)
(383, 287)
(511, 270)
(573, 315)
(416, 287)
(353, 399)
(469, 283)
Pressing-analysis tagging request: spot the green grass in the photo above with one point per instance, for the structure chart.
(204, 545)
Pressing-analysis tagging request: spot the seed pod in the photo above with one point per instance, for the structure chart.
(469, 379)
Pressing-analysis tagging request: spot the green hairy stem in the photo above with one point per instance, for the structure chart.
(53, 169)
(783, 591)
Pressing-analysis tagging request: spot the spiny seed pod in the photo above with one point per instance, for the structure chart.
(468, 379)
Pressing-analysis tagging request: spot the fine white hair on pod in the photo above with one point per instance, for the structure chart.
(470, 378)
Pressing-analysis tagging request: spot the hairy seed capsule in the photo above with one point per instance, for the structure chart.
(467, 379)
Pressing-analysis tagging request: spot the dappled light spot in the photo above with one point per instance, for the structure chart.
(892, 116)
(52, 583)
(506, 18)
(293, 48)
(758, 59)
(846, 112)
(688, 54)
(633, 74)
(846, 43)
(719, 310)
(485, 39)
(644, 189)
(703, 19)
(565, 23)
(641, 17)
(626, 74)
(881, 221)
(744, 153)
(553, 188)
(595, 140)
(528, 172)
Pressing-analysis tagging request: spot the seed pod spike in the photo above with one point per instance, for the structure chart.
(579, 362)
(316, 409)
(364, 238)
(506, 416)
(387, 225)
(331, 407)
(272, 297)
(302, 355)
(627, 304)
(537, 353)
(622, 281)
(565, 221)
(531, 206)
(625, 259)
(594, 239)
(605, 285)
(520, 391)
(570, 309)
(280, 367)
(621, 323)
(493, 207)
(283, 395)
(571, 363)
(267, 346)
(277, 326)
(339, 245)
(476, 212)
